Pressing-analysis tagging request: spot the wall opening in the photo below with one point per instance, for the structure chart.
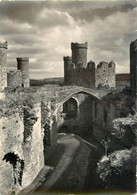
(18, 167)
(77, 116)
(70, 108)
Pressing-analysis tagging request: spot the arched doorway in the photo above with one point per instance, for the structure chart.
(70, 109)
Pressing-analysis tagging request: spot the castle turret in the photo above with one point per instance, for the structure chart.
(79, 54)
(133, 67)
(67, 69)
(23, 66)
(3, 65)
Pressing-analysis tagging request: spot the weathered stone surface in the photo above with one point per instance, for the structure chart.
(78, 72)
(3, 65)
(30, 159)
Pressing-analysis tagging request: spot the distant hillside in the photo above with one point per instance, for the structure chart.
(58, 80)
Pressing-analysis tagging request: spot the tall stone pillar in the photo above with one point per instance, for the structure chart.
(67, 70)
(23, 66)
(79, 54)
(3, 65)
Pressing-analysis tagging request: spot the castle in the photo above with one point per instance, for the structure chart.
(76, 70)
(30, 119)
(80, 73)
(13, 78)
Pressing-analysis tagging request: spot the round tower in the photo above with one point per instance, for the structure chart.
(3, 65)
(79, 54)
(67, 69)
(23, 66)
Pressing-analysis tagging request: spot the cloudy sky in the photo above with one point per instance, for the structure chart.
(43, 31)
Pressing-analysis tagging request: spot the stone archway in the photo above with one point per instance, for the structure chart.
(90, 118)
(70, 108)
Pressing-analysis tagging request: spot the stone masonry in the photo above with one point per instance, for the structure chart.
(13, 78)
(31, 117)
(3, 65)
(78, 72)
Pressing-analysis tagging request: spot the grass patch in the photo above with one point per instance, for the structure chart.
(73, 179)
(56, 155)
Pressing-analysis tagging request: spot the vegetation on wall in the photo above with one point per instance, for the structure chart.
(117, 170)
(30, 119)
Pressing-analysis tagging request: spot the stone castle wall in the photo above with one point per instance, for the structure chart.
(14, 78)
(78, 72)
(105, 74)
(3, 65)
(21, 132)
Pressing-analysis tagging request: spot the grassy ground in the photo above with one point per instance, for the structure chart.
(56, 155)
(73, 179)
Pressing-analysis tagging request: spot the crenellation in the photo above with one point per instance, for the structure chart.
(91, 65)
(81, 73)
(79, 45)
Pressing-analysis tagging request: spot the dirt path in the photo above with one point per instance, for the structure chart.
(71, 144)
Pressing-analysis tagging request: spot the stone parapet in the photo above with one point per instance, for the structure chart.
(79, 45)
(67, 58)
(23, 59)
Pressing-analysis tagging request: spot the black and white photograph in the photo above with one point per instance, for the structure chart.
(68, 97)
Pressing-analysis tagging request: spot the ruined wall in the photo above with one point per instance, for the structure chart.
(105, 74)
(78, 72)
(3, 65)
(84, 76)
(14, 78)
(21, 132)
(34, 156)
(49, 126)
(11, 138)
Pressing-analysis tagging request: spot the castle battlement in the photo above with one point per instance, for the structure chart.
(22, 59)
(78, 72)
(67, 58)
(79, 45)
(20, 77)
(91, 65)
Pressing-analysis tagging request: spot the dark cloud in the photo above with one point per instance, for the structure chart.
(90, 14)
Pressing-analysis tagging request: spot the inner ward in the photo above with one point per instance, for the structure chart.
(80, 115)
